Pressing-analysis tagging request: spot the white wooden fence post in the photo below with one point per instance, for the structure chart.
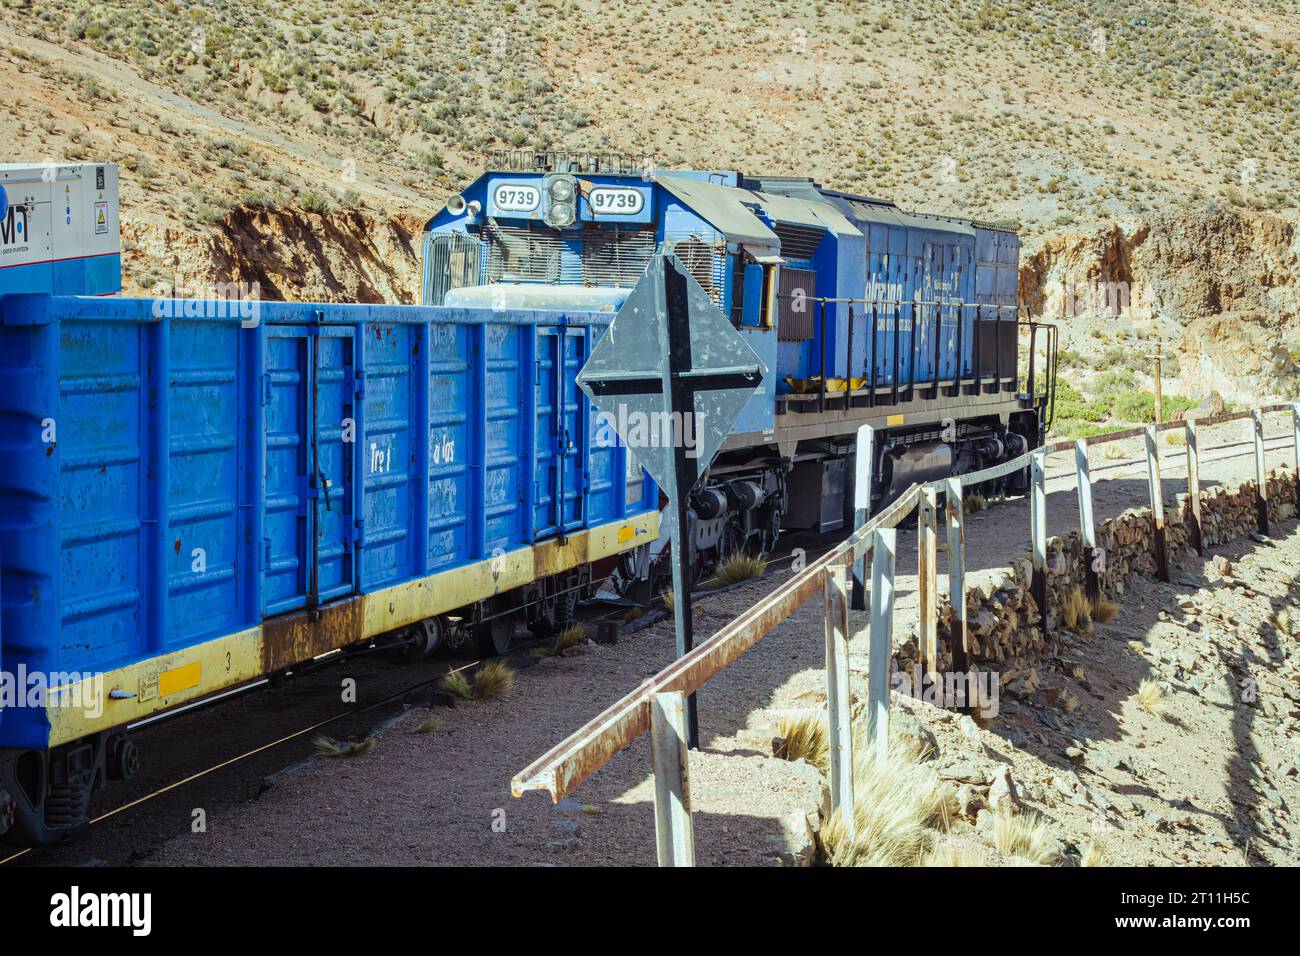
(670, 754)
(1261, 472)
(884, 549)
(839, 700)
(1157, 504)
(955, 520)
(927, 581)
(1038, 533)
(1087, 524)
(1295, 427)
(863, 459)
(1194, 487)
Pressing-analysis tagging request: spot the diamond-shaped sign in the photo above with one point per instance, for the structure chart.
(671, 374)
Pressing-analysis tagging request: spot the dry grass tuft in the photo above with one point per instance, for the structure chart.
(429, 724)
(805, 736)
(898, 805)
(1027, 836)
(327, 747)
(493, 680)
(1094, 854)
(1282, 621)
(1150, 697)
(1176, 436)
(633, 613)
(1115, 451)
(952, 854)
(1102, 609)
(1076, 612)
(739, 566)
(457, 683)
(670, 601)
(571, 636)
(972, 504)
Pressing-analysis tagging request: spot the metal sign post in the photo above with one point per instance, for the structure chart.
(670, 376)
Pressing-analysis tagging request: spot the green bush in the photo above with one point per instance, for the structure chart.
(1076, 428)
(1113, 382)
(1140, 407)
(1135, 407)
(1080, 408)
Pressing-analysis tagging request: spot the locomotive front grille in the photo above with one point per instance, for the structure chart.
(595, 256)
(615, 256)
(523, 253)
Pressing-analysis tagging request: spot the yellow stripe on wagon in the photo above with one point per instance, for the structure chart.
(138, 690)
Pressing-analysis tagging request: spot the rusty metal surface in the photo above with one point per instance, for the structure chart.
(293, 638)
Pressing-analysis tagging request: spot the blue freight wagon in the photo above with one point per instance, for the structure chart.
(196, 493)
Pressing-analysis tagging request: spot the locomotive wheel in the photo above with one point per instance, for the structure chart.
(733, 540)
(123, 759)
(495, 636)
(773, 530)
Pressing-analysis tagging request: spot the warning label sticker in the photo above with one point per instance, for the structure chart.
(101, 218)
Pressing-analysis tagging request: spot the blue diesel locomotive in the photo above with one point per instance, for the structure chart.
(868, 315)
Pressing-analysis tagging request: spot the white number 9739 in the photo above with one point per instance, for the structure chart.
(511, 197)
(615, 200)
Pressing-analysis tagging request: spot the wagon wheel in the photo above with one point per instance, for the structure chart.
(495, 635)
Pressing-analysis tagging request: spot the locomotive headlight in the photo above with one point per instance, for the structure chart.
(561, 201)
(562, 190)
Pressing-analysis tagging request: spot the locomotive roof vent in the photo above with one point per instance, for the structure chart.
(568, 161)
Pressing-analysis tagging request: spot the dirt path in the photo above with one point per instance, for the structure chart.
(147, 96)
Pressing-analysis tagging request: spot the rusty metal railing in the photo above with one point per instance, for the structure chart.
(653, 706)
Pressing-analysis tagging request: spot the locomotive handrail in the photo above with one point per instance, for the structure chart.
(977, 374)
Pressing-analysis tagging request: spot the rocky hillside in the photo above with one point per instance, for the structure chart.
(340, 256)
(1219, 287)
(254, 136)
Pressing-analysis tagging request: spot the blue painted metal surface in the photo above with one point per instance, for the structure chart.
(169, 475)
(912, 270)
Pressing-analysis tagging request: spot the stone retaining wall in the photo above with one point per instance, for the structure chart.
(1003, 619)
